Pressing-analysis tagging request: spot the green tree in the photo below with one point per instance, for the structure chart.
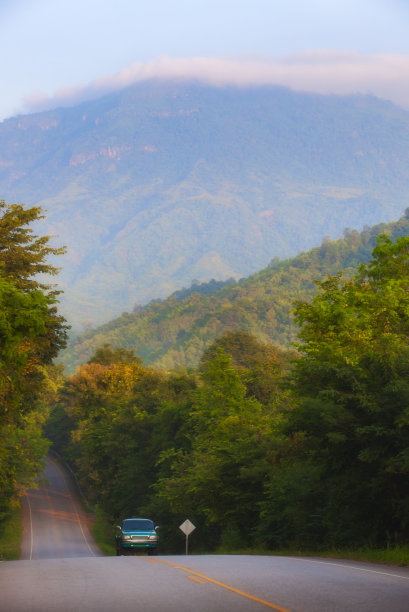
(31, 333)
(105, 355)
(219, 480)
(352, 383)
(261, 366)
(22, 323)
(23, 255)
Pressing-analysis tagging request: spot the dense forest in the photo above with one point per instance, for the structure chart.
(176, 331)
(258, 445)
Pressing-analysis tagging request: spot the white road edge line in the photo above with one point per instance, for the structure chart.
(361, 569)
(31, 526)
(75, 508)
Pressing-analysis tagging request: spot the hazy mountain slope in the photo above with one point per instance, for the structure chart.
(162, 183)
(176, 331)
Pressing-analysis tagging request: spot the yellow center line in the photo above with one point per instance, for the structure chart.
(225, 586)
(197, 580)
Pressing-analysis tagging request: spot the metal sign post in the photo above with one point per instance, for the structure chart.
(187, 527)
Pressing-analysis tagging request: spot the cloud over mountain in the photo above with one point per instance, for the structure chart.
(319, 71)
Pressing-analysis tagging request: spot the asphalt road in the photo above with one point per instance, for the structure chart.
(62, 570)
(54, 524)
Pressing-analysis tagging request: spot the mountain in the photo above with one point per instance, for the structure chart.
(175, 332)
(165, 182)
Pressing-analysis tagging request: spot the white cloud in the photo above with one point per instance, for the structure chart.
(322, 71)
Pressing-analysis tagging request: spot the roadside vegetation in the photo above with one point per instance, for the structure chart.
(397, 555)
(104, 533)
(10, 534)
(261, 447)
(31, 334)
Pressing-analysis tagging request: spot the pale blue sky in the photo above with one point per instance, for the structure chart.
(53, 44)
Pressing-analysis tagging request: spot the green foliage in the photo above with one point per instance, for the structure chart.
(218, 479)
(23, 254)
(22, 321)
(352, 382)
(291, 507)
(104, 533)
(106, 356)
(260, 446)
(122, 415)
(259, 365)
(22, 325)
(197, 443)
(10, 534)
(31, 333)
(176, 332)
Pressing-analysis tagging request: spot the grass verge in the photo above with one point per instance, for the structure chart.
(397, 555)
(10, 536)
(103, 533)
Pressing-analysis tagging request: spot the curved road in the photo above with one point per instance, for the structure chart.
(62, 570)
(55, 525)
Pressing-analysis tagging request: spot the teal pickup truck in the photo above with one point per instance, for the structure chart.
(136, 534)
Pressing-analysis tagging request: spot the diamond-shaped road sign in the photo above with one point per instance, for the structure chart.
(187, 527)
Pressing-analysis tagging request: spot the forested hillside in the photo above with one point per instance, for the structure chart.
(175, 332)
(259, 446)
(162, 183)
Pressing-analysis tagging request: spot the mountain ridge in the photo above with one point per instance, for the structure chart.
(162, 183)
(175, 332)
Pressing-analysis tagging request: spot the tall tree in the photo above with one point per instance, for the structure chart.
(31, 333)
(353, 389)
(219, 480)
(23, 319)
(23, 257)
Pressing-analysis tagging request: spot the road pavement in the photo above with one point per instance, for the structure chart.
(200, 584)
(62, 570)
(55, 526)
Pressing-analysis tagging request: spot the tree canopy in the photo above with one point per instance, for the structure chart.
(23, 255)
(258, 445)
(352, 381)
(31, 333)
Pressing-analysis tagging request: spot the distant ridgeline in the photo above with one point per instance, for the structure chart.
(175, 332)
(163, 182)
